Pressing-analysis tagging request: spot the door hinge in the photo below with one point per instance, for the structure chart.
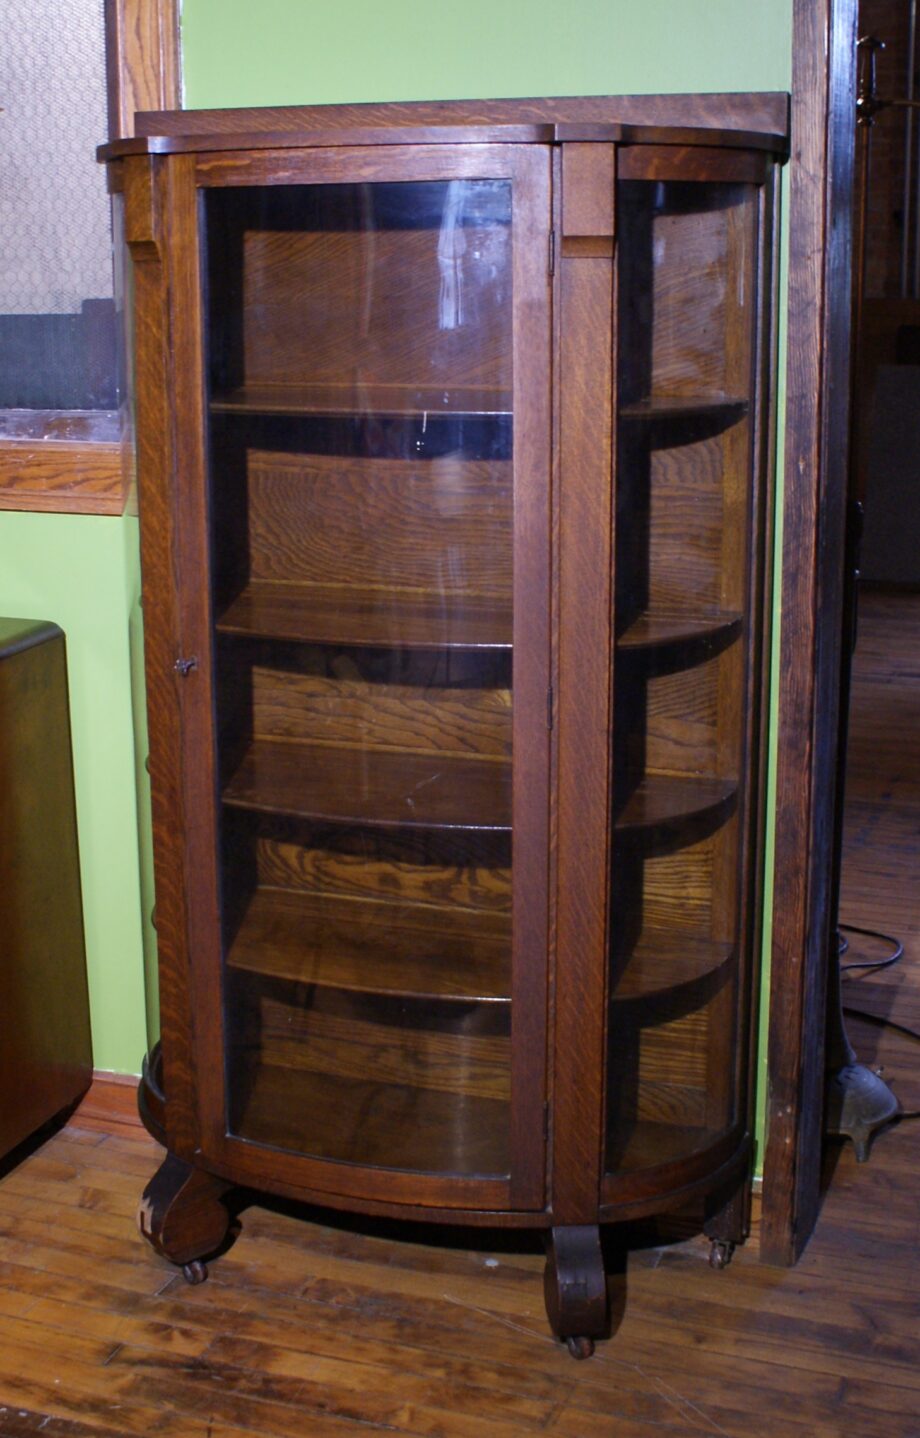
(552, 252)
(546, 1123)
(549, 707)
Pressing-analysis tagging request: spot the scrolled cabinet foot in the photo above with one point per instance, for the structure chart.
(575, 1287)
(182, 1217)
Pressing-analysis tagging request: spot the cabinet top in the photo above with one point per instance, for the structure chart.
(750, 121)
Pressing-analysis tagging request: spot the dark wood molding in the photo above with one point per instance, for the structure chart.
(766, 111)
(823, 129)
(69, 461)
(142, 60)
(109, 1104)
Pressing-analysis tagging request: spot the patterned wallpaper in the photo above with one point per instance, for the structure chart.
(55, 233)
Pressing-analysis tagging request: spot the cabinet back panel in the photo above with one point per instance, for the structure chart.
(680, 721)
(688, 354)
(685, 507)
(676, 889)
(353, 712)
(440, 526)
(352, 307)
(686, 287)
(470, 875)
(333, 1034)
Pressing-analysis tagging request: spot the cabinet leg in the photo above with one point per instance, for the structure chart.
(182, 1217)
(575, 1287)
(727, 1223)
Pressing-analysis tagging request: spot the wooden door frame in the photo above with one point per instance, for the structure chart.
(811, 580)
(143, 64)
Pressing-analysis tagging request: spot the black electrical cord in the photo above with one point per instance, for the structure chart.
(843, 945)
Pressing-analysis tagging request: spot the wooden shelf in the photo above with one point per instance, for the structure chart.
(373, 619)
(356, 400)
(668, 974)
(651, 1144)
(366, 946)
(671, 641)
(379, 788)
(385, 1125)
(667, 409)
(667, 807)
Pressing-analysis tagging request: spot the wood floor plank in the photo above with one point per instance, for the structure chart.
(319, 1326)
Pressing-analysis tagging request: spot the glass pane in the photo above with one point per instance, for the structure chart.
(687, 277)
(361, 502)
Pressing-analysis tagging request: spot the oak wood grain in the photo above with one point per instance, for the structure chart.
(383, 618)
(396, 789)
(369, 946)
(434, 528)
(62, 480)
(811, 605)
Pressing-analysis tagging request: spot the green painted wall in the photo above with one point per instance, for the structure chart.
(81, 571)
(314, 51)
(317, 51)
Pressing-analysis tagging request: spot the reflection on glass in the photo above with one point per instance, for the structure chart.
(687, 270)
(361, 503)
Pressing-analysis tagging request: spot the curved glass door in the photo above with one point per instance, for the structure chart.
(684, 685)
(361, 447)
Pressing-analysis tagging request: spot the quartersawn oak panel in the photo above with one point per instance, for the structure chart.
(403, 868)
(685, 518)
(677, 248)
(675, 1052)
(680, 721)
(343, 304)
(677, 888)
(442, 526)
(386, 1041)
(370, 946)
(354, 713)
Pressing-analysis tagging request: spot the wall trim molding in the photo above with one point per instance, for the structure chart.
(109, 1104)
(66, 461)
(143, 60)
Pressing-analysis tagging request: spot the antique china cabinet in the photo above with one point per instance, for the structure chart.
(452, 436)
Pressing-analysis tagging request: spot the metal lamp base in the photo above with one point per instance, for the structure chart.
(858, 1103)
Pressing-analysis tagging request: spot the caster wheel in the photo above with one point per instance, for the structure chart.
(720, 1253)
(580, 1347)
(195, 1272)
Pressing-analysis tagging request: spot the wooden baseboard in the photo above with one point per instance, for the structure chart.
(109, 1104)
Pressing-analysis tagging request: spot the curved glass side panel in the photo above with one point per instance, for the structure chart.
(687, 280)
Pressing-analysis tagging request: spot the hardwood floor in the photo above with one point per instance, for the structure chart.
(310, 1328)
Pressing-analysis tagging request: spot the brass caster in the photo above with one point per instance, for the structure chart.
(580, 1347)
(720, 1253)
(195, 1272)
